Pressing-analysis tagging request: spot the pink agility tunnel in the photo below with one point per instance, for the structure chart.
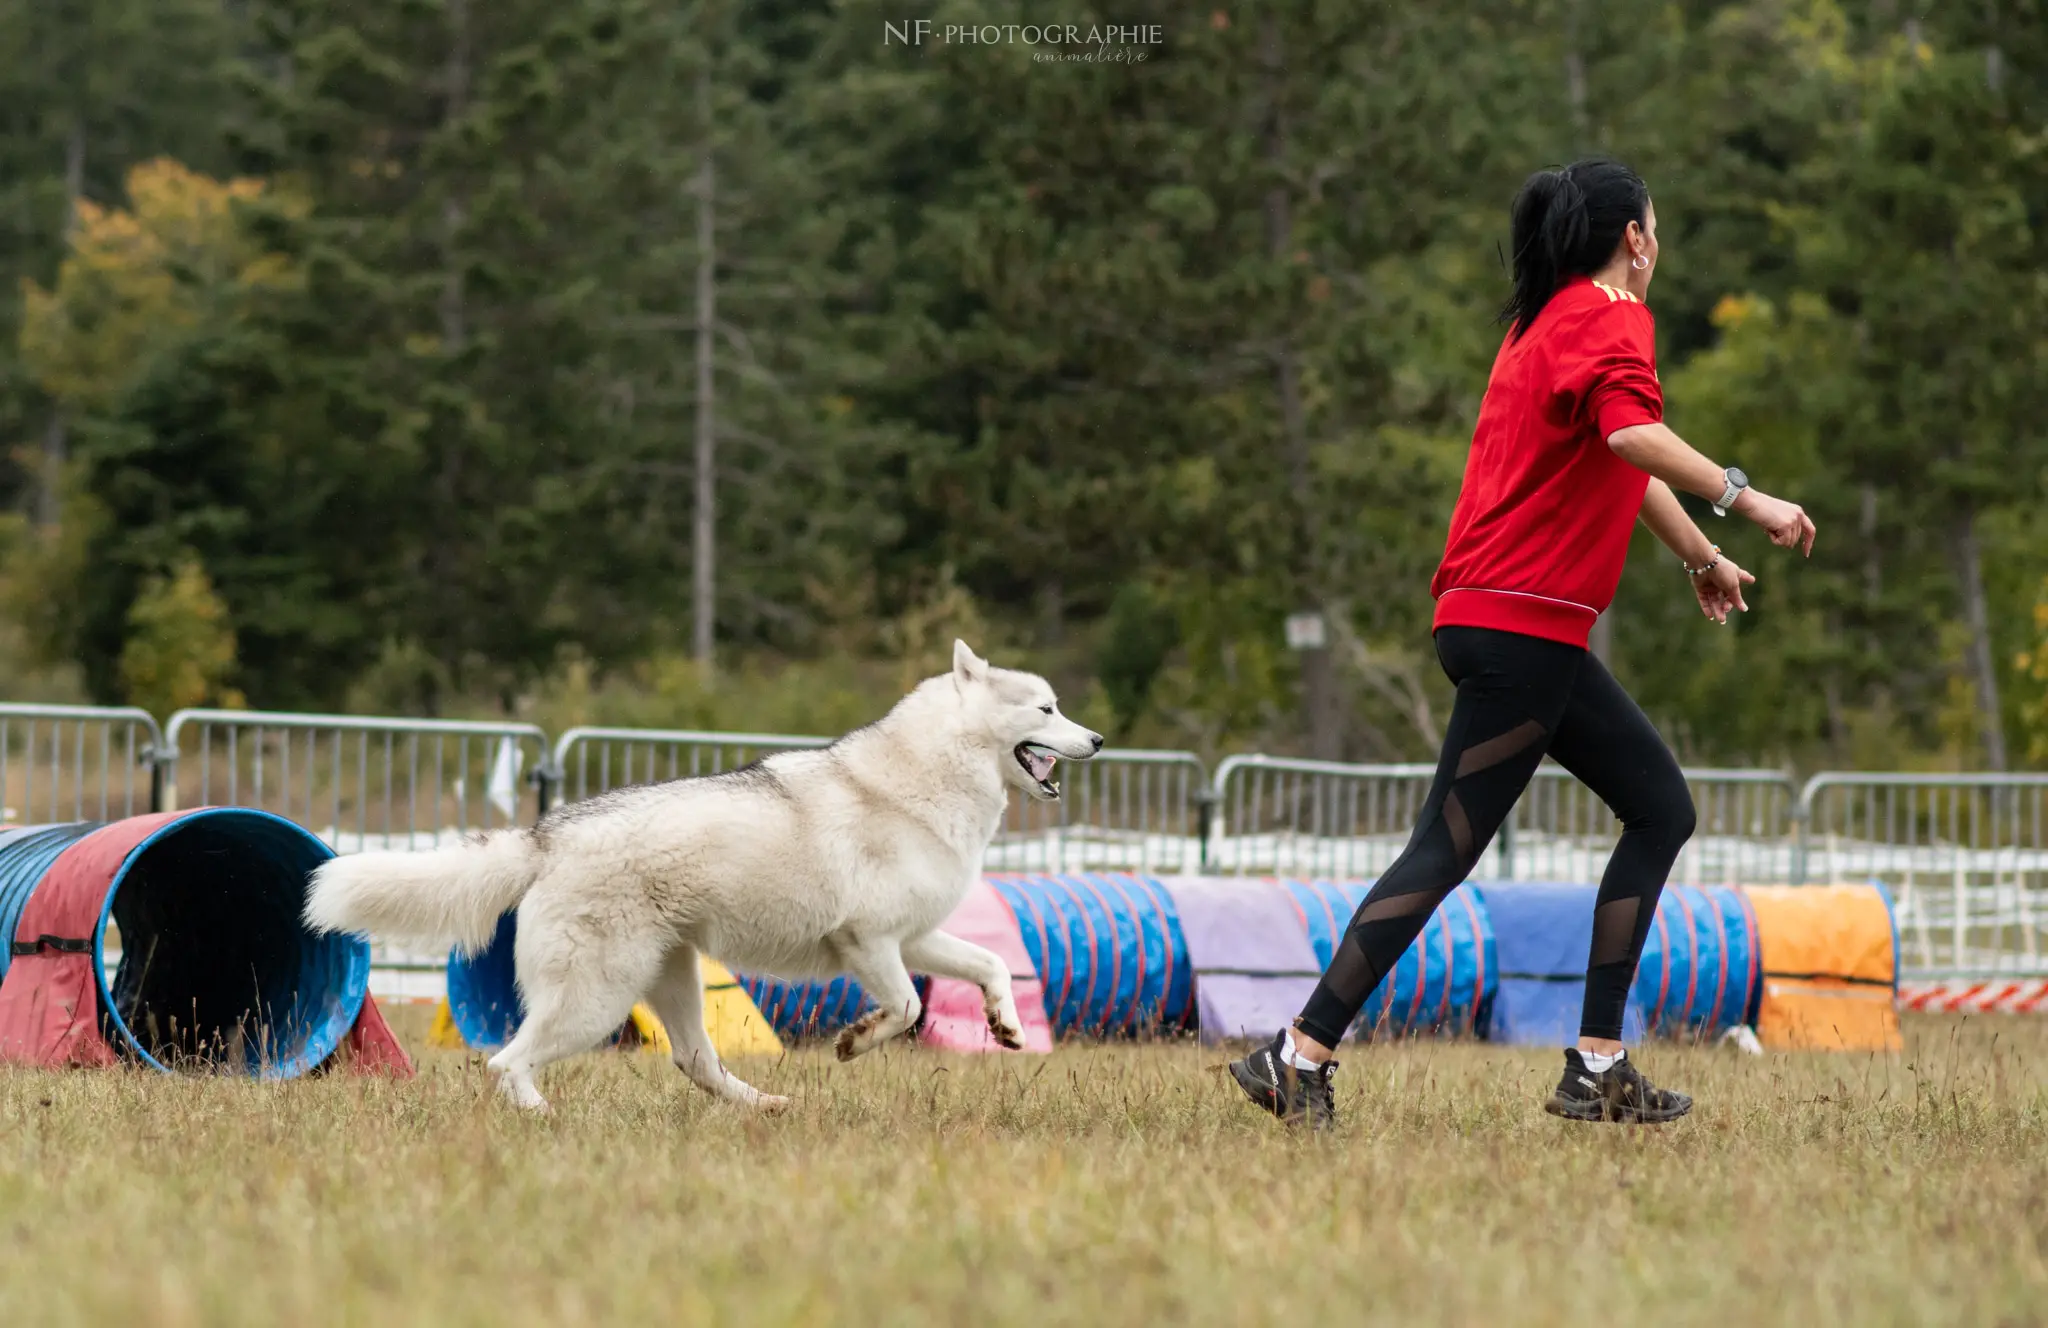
(214, 970)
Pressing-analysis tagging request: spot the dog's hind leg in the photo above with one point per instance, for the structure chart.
(579, 988)
(879, 966)
(946, 956)
(678, 1001)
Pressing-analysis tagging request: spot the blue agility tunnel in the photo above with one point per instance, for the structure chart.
(1108, 949)
(1544, 935)
(798, 1010)
(1443, 983)
(25, 856)
(483, 996)
(1702, 966)
(483, 991)
(214, 967)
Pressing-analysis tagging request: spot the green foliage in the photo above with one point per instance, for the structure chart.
(1138, 636)
(1107, 367)
(180, 648)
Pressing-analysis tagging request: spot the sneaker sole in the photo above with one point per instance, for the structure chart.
(1598, 1113)
(1262, 1097)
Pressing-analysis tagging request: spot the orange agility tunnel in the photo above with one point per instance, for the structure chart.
(1830, 967)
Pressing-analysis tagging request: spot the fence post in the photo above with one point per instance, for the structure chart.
(163, 776)
(547, 778)
(1802, 827)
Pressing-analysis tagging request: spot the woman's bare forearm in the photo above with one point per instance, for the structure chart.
(1666, 456)
(1665, 516)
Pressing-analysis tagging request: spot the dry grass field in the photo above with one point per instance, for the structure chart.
(1120, 1185)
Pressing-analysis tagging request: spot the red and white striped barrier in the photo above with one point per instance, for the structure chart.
(1965, 996)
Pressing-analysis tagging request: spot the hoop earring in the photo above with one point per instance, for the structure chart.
(1639, 263)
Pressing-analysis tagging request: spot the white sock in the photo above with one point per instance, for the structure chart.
(1295, 1058)
(1600, 1064)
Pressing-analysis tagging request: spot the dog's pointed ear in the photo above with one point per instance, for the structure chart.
(967, 666)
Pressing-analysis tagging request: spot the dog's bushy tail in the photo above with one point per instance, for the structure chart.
(441, 896)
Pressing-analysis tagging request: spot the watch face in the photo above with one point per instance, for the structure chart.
(1737, 478)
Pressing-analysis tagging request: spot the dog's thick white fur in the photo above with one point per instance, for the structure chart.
(809, 864)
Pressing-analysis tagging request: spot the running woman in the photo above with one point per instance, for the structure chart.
(1569, 452)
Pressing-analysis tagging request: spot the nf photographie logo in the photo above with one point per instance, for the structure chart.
(1113, 43)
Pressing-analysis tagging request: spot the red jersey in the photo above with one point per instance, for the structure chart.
(1542, 526)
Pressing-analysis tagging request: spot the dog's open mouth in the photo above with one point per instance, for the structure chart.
(1038, 763)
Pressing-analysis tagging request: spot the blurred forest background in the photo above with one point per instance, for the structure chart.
(715, 364)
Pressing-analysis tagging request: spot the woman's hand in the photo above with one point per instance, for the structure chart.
(1787, 523)
(1720, 587)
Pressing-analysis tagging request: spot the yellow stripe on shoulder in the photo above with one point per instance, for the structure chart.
(1616, 294)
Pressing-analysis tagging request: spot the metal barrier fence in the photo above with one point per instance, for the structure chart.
(1965, 857)
(1122, 811)
(76, 763)
(1279, 816)
(357, 782)
(1134, 810)
(590, 761)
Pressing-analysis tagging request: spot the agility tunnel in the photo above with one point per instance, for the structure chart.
(1119, 954)
(1108, 950)
(799, 1010)
(955, 1017)
(1830, 959)
(483, 1007)
(1543, 933)
(1701, 969)
(1444, 983)
(1697, 977)
(1248, 946)
(214, 970)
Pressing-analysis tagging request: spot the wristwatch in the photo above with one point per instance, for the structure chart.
(1737, 482)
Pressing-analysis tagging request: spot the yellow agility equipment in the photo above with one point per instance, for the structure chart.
(735, 1024)
(1830, 968)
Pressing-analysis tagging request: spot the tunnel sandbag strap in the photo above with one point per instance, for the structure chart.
(62, 944)
(1885, 983)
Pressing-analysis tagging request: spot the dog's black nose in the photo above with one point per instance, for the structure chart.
(1096, 738)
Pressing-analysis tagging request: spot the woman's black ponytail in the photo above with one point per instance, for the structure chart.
(1568, 223)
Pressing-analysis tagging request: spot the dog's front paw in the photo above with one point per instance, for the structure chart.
(1006, 1033)
(858, 1036)
(768, 1104)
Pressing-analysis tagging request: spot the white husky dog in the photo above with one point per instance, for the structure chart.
(809, 864)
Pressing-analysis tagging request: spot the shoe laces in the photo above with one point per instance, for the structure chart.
(1322, 1083)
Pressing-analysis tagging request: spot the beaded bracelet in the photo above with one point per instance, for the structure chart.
(1713, 561)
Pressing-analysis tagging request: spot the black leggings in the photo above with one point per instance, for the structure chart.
(1519, 697)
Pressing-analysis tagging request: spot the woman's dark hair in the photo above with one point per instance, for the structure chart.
(1567, 223)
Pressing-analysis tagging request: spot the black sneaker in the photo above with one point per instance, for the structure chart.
(1619, 1094)
(1295, 1096)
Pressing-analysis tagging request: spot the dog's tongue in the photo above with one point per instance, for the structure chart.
(1039, 763)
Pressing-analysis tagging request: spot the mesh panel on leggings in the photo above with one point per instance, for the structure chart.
(1614, 930)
